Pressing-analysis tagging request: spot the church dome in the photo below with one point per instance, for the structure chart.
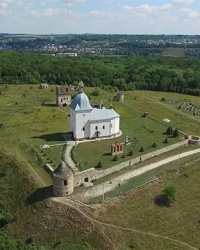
(80, 102)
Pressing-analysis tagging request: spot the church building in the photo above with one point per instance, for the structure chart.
(87, 122)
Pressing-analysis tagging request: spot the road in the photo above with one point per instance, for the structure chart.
(108, 186)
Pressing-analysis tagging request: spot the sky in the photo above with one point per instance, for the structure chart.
(100, 16)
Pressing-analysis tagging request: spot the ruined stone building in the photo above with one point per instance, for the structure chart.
(119, 97)
(44, 86)
(63, 96)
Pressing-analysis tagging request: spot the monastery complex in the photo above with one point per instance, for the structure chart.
(87, 122)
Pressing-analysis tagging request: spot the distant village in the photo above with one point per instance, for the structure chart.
(95, 44)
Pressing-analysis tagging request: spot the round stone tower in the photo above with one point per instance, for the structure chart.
(63, 184)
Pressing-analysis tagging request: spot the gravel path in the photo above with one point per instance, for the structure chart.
(108, 186)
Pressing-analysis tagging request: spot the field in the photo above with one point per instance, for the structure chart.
(142, 131)
(179, 52)
(29, 119)
(138, 211)
(131, 221)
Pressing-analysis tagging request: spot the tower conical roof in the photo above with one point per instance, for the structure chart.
(63, 170)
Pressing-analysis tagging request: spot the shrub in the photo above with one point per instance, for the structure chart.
(130, 153)
(170, 194)
(141, 150)
(169, 130)
(6, 219)
(115, 158)
(99, 165)
(166, 140)
(2, 174)
(154, 145)
(166, 198)
(176, 133)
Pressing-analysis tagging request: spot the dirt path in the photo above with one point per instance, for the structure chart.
(67, 202)
(109, 186)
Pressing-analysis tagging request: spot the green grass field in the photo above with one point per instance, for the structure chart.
(138, 211)
(142, 131)
(29, 118)
(177, 52)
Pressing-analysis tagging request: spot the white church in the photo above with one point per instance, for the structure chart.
(87, 122)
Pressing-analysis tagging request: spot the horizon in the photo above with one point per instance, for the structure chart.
(170, 17)
(107, 34)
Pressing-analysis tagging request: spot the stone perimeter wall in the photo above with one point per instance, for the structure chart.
(120, 166)
(80, 177)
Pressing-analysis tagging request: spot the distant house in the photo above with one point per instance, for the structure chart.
(87, 122)
(44, 86)
(63, 96)
(119, 97)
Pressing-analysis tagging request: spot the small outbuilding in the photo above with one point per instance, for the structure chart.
(63, 181)
(44, 86)
(119, 97)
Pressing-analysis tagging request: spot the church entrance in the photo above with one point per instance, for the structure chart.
(97, 134)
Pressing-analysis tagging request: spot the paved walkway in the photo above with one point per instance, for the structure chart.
(68, 159)
(71, 144)
(107, 186)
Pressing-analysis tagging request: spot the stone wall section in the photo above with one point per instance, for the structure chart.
(85, 176)
(64, 185)
(136, 160)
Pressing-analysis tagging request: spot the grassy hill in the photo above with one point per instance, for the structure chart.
(29, 119)
(131, 221)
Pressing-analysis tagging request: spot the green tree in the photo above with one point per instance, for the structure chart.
(141, 150)
(170, 194)
(6, 219)
(99, 165)
(154, 145)
(130, 153)
(166, 140)
(115, 158)
(176, 133)
(169, 130)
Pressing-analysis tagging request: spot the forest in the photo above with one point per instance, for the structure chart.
(158, 73)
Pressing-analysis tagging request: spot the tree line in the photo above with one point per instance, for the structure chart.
(156, 73)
